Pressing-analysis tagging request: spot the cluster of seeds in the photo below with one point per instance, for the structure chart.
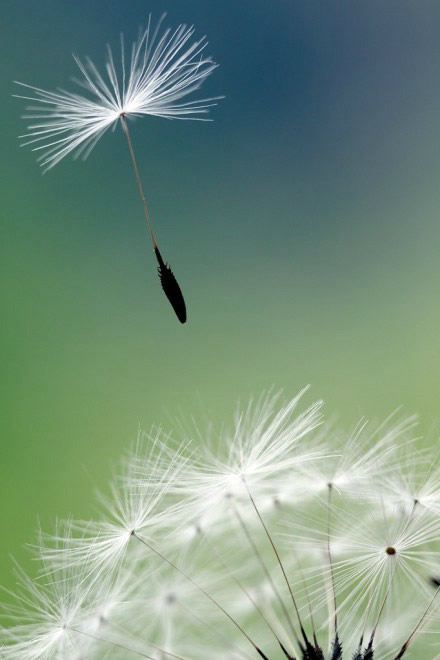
(280, 537)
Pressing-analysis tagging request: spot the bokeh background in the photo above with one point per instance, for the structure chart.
(303, 225)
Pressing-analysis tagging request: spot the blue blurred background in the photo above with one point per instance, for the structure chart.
(302, 224)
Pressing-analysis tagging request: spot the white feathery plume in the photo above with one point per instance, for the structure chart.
(69, 616)
(158, 72)
(130, 512)
(45, 614)
(416, 479)
(268, 443)
(367, 456)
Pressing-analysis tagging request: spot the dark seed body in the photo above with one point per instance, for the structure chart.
(171, 287)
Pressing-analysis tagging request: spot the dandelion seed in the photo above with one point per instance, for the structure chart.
(160, 72)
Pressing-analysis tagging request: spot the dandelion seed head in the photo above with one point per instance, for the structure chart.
(280, 537)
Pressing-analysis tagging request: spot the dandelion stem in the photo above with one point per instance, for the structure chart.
(213, 629)
(336, 650)
(417, 627)
(243, 589)
(278, 558)
(154, 646)
(266, 572)
(309, 605)
(98, 638)
(139, 181)
(329, 554)
(203, 591)
(168, 281)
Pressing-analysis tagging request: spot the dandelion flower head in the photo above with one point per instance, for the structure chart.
(326, 548)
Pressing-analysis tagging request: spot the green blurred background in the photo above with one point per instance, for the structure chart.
(302, 224)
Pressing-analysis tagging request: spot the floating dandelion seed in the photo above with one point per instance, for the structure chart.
(257, 549)
(162, 70)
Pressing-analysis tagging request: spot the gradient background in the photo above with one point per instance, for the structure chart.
(302, 224)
